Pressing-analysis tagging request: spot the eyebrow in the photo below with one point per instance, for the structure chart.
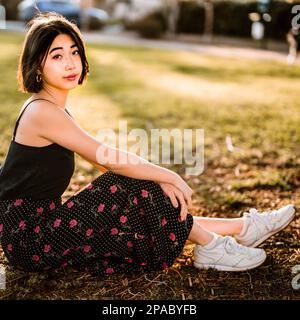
(59, 48)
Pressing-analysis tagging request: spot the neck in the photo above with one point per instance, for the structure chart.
(56, 96)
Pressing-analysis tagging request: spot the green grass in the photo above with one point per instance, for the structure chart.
(256, 103)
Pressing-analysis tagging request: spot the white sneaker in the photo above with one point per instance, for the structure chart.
(260, 226)
(225, 254)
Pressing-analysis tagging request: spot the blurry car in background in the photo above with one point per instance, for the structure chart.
(96, 18)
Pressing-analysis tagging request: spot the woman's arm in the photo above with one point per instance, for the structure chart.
(131, 165)
(55, 125)
(96, 165)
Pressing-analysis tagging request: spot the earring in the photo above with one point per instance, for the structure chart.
(38, 77)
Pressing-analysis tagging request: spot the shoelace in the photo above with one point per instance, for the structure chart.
(270, 216)
(232, 246)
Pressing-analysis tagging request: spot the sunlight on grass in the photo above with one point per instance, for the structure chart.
(269, 178)
(243, 105)
(94, 112)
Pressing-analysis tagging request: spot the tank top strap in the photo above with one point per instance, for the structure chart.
(18, 120)
(68, 112)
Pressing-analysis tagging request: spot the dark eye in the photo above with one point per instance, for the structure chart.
(56, 56)
(76, 52)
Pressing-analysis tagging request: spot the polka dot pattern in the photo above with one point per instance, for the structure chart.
(116, 224)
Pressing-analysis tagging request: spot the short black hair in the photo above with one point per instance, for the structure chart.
(43, 29)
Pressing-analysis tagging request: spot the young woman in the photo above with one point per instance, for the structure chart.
(132, 218)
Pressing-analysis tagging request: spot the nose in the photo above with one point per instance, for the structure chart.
(70, 64)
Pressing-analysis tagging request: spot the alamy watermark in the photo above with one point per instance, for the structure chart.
(2, 17)
(2, 278)
(296, 279)
(296, 18)
(159, 142)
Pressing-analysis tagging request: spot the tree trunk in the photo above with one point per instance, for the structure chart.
(84, 20)
(172, 14)
(209, 18)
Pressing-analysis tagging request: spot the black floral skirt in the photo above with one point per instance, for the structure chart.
(116, 224)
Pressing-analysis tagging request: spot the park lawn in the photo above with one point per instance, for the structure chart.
(253, 104)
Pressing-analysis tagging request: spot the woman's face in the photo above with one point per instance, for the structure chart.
(62, 67)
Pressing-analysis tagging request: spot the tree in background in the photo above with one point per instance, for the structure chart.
(11, 8)
(172, 11)
(209, 18)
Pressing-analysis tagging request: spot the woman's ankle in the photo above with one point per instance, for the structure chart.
(200, 235)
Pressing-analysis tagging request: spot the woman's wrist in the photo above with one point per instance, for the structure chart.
(175, 179)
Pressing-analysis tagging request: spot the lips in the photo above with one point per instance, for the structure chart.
(71, 77)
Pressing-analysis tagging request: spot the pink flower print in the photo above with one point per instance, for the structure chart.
(52, 206)
(89, 232)
(105, 263)
(108, 254)
(37, 229)
(18, 202)
(35, 258)
(144, 193)
(66, 252)
(1, 227)
(129, 244)
(142, 212)
(90, 186)
(70, 204)
(163, 222)
(113, 207)
(57, 223)
(114, 231)
(143, 264)
(86, 248)
(140, 236)
(113, 188)
(22, 225)
(172, 236)
(123, 219)
(135, 201)
(73, 223)
(64, 264)
(47, 248)
(101, 207)
(10, 247)
(110, 270)
(129, 260)
(39, 210)
(165, 266)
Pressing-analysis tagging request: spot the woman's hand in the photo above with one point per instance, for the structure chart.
(187, 192)
(175, 194)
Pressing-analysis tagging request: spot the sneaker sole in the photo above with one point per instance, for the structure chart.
(228, 268)
(260, 241)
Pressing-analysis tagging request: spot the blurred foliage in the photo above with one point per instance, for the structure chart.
(151, 26)
(231, 18)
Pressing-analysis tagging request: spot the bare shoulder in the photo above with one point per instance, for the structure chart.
(44, 111)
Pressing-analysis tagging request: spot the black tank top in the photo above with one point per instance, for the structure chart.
(35, 172)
